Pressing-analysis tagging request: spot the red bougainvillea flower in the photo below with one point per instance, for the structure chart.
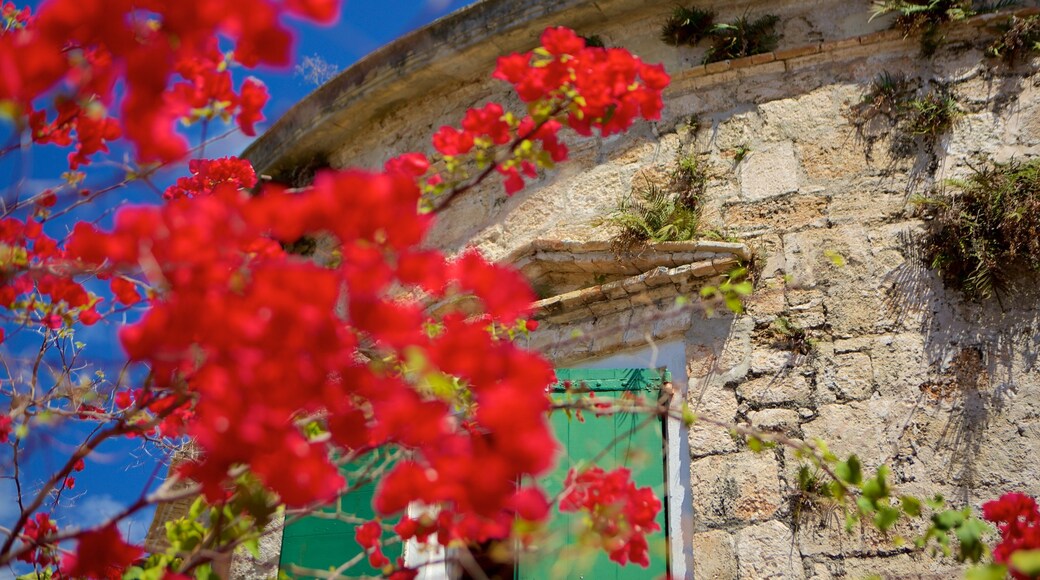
(100, 554)
(1018, 520)
(619, 513)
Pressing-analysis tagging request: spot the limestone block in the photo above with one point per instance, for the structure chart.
(787, 387)
(714, 556)
(918, 566)
(742, 487)
(850, 377)
(717, 403)
(770, 172)
(778, 214)
(870, 429)
(767, 551)
(812, 117)
(771, 360)
(866, 201)
(900, 365)
(784, 420)
(768, 301)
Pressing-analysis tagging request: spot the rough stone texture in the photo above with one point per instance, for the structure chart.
(768, 550)
(837, 247)
(245, 567)
(714, 556)
(743, 487)
(769, 173)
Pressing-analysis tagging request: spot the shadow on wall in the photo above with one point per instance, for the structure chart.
(970, 348)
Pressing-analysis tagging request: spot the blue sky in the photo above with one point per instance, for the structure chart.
(119, 471)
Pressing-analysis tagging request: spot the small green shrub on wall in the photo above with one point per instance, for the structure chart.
(914, 112)
(1019, 40)
(742, 37)
(986, 232)
(927, 17)
(655, 214)
(687, 26)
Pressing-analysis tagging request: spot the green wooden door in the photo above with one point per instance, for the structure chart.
(323, 544)
(623, 440)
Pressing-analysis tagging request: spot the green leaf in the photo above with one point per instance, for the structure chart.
(886, 517)
(837, 259)
(253, 546)
(986, 572)
(744, 288)
(850, 471)
(755, 444)
(948, 519)
(911, 505)
(970, 534)
(1027, 562)
(877, 488)
(734, 304)
(936, 503)
(196, 509)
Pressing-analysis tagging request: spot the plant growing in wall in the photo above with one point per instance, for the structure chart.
(661, 214)
(743, 37)
(932, 114)
(1019, 40)
(651, 215)
(928, 17)
(914, 112)
(686, 26)
(788, 335)
(985, 233)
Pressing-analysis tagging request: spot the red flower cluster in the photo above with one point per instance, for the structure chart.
(280, 325)
(83, 47)
(603, 88)
(620, 514)
(243, 339)
(33, 269)
(91, 126)
(36, 530)
(101, 554)
(588, 87)
(208, 174)
(367, 536)
(207, 92)
(1018, 520)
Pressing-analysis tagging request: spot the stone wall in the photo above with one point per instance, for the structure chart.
(902, 370)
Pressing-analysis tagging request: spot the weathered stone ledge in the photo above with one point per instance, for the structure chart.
(788, 59)
(545, 257)
(615, 296)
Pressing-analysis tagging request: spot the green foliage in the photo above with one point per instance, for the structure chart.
(209, 529)
(789, 336)
(656, 214)
(927, 17)
(743, 37)
(734, 288)
(914, 112)
(740, 153)
(887, 96)
(932, 114)
(1026, 562)
(988, 230)
(1018, 41)
(686, 26)
(690, 180)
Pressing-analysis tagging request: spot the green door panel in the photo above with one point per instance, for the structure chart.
(638, 444)
(323, 544)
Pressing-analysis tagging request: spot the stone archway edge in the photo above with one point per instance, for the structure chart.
(663, 271)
